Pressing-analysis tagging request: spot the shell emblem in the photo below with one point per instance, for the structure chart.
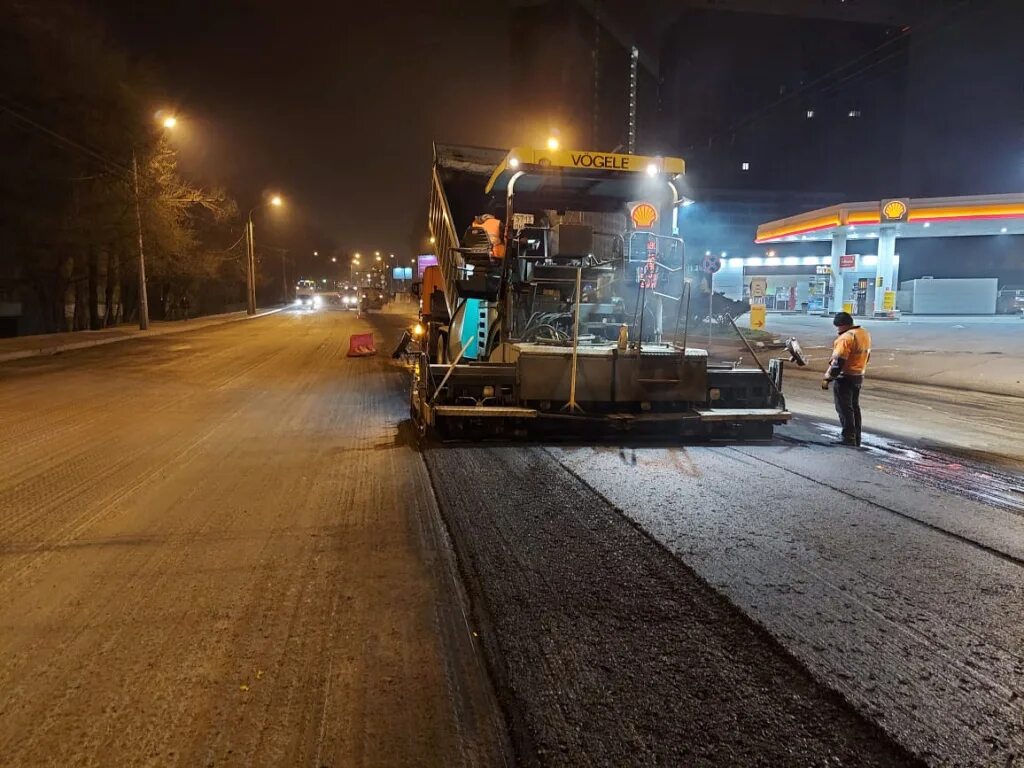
(644, 215)
(895, 209)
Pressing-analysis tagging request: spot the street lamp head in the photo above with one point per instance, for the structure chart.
(170, 121)
(433, 239)
(316, 253)
(553, 143)
(334, 259)
(276, 201)
(376, 253)
(378, 257)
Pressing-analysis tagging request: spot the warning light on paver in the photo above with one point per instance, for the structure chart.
(644, 215)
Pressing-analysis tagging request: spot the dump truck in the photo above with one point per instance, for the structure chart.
(557, 300)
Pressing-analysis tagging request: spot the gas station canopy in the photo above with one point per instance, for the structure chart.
(903, 217)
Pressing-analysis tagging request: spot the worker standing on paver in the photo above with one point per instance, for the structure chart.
(850, 354)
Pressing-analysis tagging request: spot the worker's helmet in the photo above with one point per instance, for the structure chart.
(842, 318)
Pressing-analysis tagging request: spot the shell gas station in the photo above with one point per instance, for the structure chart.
(868, 284)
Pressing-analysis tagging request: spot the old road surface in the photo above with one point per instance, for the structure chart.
(225, 548)
(217, 548)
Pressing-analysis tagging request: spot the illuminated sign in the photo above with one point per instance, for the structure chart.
(643, 215)
(423, 261)
(823, 270)
(895, 211)
(848, 261)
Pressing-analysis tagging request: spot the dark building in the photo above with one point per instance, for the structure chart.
(964, 121)
(571, 70)
(784, 106)
(779, 113)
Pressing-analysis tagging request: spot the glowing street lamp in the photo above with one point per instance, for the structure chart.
(168, 122)
(553, 143)
(250, 271)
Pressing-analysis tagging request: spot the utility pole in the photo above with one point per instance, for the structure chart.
(143, 297)
(250, 272)
(284, 277)
(250, 269)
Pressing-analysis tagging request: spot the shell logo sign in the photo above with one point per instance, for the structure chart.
(644, 215)
(895, 210)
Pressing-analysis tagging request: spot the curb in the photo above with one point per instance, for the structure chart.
(23, 354)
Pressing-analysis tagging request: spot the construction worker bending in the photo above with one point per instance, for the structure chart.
(491, 226)
(850, 354)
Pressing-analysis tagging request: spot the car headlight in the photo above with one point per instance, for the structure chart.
(317, 301)
(298, 301)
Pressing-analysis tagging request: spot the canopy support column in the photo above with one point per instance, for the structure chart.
(838, 251)
(885, 274)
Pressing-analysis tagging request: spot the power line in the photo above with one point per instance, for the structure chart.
(68, 143)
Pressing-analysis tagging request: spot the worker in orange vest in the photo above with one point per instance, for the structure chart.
(492, 226)
(850, 354)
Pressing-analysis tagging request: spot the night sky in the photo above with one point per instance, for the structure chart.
(337, 108)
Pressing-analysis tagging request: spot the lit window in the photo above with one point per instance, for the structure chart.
(810, 113)
(745, 166)
(854, 113)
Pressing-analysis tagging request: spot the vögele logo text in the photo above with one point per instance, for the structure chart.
(583, 160)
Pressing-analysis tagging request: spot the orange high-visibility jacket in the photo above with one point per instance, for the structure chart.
(854, 348)
(490, 225)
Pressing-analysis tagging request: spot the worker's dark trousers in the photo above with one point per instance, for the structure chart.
(846, 393)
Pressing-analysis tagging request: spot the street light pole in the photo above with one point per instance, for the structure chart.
(250, 271)
(143, 298)
(284, 276)
(250, 268)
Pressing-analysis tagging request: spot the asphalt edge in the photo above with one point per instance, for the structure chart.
(450, 573)
(524, 751)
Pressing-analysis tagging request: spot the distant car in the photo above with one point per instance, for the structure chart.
(349, 298)
(305, 299)
(1010, 300)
